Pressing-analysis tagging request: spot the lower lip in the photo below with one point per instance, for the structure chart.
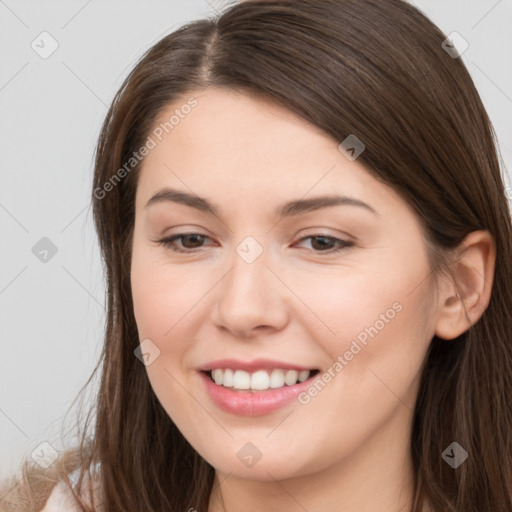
(249, 403)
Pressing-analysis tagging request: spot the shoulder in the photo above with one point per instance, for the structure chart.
(62, 500)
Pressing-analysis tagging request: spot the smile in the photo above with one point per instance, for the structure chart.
(259, 380)
(255, 402)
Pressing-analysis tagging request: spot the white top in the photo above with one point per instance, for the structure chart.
(61, 499)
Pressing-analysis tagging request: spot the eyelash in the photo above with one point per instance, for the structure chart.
(169, 243)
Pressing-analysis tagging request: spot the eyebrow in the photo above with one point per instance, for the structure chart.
(288, 209)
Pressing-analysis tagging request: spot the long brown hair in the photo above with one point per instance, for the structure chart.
(366, 67)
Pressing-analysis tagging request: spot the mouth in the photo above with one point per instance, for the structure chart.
(255, 393)
(260, 380)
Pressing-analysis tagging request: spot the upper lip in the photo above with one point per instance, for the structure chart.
(250, 366)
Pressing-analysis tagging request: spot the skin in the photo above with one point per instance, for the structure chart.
(347, 449)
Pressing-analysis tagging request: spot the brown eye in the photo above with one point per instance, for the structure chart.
(190, 241)
(324, 243)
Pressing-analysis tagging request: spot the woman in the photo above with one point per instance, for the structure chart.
(247, 365)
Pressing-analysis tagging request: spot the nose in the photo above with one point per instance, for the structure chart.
(251, 298)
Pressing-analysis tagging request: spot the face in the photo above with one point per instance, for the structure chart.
(261, 289)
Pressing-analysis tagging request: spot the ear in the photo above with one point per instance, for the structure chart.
(464, 299)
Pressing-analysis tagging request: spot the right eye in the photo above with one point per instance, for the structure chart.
(195, 238)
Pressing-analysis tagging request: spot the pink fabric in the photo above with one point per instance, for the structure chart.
(60, 500)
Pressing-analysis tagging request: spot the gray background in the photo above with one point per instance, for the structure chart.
(52, 312)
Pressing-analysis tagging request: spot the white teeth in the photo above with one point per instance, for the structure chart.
(260, 380)
(241, 380)
(277, 379)
(217, 376)
(303, 375)
(290, 377)
(227, 379)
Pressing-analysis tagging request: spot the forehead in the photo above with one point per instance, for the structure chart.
(241, 147)
(239, 127)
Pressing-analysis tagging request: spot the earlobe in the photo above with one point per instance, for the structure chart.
(465, 298)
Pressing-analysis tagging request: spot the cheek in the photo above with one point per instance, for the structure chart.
(374, 323)
(161, 299)
(162, 295)
(339, 305)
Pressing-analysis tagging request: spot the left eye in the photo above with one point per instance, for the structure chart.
(197, 238)
(326, 240)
